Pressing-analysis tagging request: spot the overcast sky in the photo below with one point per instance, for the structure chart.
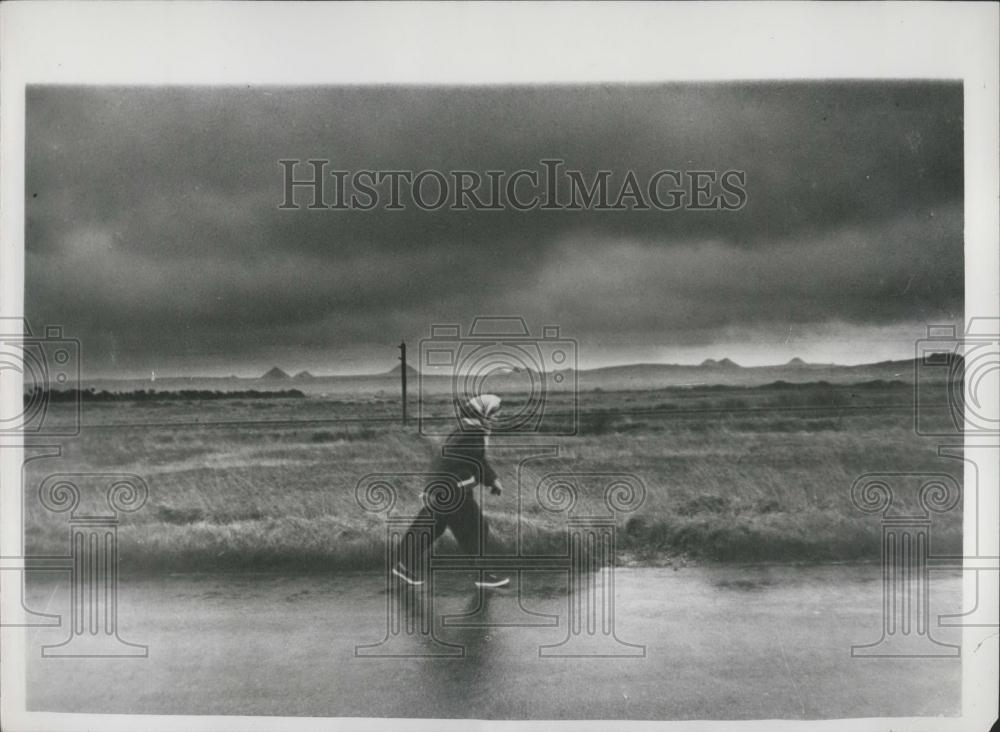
(154, 234)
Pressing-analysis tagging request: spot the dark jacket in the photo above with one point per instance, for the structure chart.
(463, 455)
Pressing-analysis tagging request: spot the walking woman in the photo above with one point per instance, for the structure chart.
(462, 459)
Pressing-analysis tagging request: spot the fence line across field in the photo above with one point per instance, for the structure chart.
(291, 423)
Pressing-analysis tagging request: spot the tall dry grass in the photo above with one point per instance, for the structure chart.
(722, 482)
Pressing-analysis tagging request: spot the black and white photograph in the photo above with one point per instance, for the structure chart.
(509, 363)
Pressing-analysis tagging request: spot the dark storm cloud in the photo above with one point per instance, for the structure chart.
(153, 228)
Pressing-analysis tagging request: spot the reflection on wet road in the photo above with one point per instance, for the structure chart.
(717, 643)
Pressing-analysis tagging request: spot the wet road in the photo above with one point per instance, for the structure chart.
(699, 643)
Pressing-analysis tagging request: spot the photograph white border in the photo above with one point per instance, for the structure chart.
(215, 43)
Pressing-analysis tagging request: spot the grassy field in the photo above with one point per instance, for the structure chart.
(731, 474)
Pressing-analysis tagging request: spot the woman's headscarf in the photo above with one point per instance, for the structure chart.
(480, 408)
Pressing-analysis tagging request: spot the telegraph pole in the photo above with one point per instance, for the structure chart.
(402, 375)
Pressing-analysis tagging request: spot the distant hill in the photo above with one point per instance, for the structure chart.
(394, 371)
(275, 374)
(304, 376)
(726, 363)
(796, 362)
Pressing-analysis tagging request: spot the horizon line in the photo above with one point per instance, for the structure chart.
(297, 375)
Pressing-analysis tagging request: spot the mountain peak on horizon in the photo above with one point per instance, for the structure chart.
(409, 369)
(796, 361)
(304, 376)
(276, 373)
(726, 363)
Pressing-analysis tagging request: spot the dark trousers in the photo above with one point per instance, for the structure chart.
(467, 524)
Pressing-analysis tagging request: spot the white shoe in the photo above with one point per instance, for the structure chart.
(404, 574)
(491, 580)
